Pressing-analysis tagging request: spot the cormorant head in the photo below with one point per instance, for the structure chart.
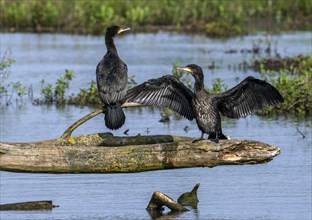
(115, 30)
(193, 69)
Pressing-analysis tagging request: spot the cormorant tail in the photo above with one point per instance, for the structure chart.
(114, 116)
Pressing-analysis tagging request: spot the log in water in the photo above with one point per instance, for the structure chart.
(100, 153)
(34, 205)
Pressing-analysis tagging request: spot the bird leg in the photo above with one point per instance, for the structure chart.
(216, 140)
(199, 139)
(214, 137)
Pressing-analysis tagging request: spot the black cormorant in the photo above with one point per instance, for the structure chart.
(248, 96)
(112, 79)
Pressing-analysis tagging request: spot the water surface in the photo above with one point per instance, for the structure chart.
(280, 189)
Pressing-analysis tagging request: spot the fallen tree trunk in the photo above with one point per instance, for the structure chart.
(35, 205)
(91, 154)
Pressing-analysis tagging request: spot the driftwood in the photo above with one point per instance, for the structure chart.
(159, 200)
(88, 154)
(190, 198)
(35, 205)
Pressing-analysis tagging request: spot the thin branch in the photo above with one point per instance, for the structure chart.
(303, 136)
(67, 134)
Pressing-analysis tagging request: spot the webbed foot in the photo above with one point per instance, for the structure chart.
(199, 139)
(216, 140)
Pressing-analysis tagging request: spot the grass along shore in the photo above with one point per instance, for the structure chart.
(216, 18)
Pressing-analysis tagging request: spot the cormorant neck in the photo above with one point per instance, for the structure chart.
(110, 45)
(199, 82)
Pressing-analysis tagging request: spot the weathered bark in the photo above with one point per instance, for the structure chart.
(159, 200)
(35, 205)
(87, 154)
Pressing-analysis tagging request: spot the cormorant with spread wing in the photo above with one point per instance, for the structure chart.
(112, 79)
(245, 98)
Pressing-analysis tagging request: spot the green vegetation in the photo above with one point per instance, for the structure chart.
(213, 17)
(295, 64)
(87, 96)
(224, 29)
(56, 95)
(8, 90)
(294, 82)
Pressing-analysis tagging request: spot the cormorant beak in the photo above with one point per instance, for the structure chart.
(187, 69)
(123, 30)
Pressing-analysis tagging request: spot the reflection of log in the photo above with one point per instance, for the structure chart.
(36, 205)
(159, 200)
(83, 154)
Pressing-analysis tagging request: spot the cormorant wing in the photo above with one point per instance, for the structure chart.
(166, 91)
(248, 96)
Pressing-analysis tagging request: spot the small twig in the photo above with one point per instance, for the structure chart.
(66, 135)
(303, 136)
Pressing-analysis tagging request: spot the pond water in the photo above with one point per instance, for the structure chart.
(280, 189)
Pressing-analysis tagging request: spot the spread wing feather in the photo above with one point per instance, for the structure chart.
(248, 96)
(166, 91)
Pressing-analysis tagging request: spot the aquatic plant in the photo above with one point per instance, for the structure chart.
(89, 96)
(56, 95)
(47, 93)
(8, 90)
(294, 83)
(218, 86)
(62, 84)
(292, 64)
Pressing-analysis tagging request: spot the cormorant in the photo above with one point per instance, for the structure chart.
(112, 79)
(248, 96)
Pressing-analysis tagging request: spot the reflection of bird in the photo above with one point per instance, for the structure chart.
(248, 96)
(112, 79)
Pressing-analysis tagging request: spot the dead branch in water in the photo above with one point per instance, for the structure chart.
(159, 200)
(66, 135)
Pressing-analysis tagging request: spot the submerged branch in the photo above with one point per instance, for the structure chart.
(159, 200)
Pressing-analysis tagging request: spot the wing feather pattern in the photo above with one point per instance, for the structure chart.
(247, 97)
(166, 91)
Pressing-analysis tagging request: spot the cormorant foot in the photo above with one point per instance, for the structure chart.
(216, 140)
(199, 139)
